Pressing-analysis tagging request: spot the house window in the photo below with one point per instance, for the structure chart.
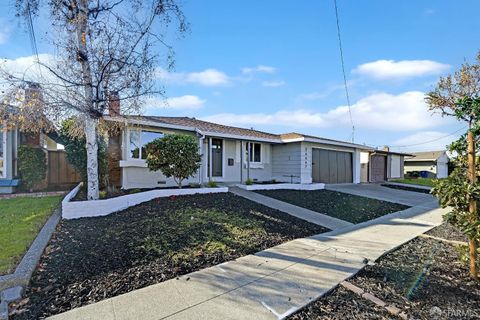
(138, 140)
(254, 151)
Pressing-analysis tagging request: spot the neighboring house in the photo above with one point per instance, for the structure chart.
(230, 154)
(382, 165)
(433, 163)
(60, 173)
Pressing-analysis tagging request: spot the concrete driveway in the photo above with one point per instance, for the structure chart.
(376, 191)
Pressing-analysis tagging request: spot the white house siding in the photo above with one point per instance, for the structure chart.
(395, 164)
(364, 160)
(135, 173)
(442, 170)
(287, 162)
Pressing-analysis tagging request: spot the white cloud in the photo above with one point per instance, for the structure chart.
(274, 83)
(381, 111)
(186, 102)
(424, 141)
(207, 77)
(4, 31)
(394, 70)
(259, 69)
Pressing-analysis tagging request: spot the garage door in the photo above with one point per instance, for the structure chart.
(378, 172)
(331, 166)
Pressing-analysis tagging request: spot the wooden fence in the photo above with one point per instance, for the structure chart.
(60, 171)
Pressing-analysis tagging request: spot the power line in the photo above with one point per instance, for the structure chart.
(31, 33)
(433, 140)
(343, 70)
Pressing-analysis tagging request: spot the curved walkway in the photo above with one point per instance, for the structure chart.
(270, 284)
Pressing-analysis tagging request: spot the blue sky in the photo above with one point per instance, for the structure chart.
(275, 66)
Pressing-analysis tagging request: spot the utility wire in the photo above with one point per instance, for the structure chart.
(31, 32)
(433, 140)
(343, 70)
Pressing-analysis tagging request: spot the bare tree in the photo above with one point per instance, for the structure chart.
(102, 47)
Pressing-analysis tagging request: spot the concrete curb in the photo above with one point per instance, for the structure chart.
(29, 262)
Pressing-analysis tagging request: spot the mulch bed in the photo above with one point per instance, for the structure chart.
(343, 206)
(91, 259)
(108, 194)
(418, 276)
(447, 231)
(341, 304)
(406, 188)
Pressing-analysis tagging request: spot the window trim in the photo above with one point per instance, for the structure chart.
(129, 150)
(250, 146)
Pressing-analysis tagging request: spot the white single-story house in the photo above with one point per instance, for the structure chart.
(382, 165)
(231, 154)
(433, 163)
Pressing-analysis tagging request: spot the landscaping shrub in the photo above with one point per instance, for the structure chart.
(32, 165)
(212, 184)
(249, 182)
(175, 155)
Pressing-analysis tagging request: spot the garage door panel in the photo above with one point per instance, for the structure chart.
(348, 168)
(331, 166)
(341, 167)
(378, 165)
(324, 165)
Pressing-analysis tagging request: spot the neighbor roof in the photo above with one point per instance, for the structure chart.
(426, 156)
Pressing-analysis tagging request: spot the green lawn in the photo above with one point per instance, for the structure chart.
(20, 221)
(428, 182)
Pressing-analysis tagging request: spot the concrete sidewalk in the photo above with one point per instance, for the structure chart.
(293, 210)
(271, 284)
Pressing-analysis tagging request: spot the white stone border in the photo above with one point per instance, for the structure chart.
(95, 208)
(278, 186)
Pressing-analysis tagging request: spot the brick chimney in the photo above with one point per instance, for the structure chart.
(113, 104)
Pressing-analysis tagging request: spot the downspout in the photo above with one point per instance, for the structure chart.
(248, 160)
(210, 159)
(201, 146)
(241, 161)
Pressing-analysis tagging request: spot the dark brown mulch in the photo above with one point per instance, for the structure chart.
(447, 231)
(341, 304)
(108, 194)
(91, 259)
(340, 205)
(418, 276)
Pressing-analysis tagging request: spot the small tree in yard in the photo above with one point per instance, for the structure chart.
(100, 48)
(175, 155)
(458, 95)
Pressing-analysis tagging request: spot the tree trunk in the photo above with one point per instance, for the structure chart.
(472, 206)
(92, 158)
(90, 121)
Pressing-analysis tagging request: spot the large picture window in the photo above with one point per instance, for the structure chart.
(137, 141)
(254, 152)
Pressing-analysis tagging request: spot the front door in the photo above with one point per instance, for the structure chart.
(217, 157)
